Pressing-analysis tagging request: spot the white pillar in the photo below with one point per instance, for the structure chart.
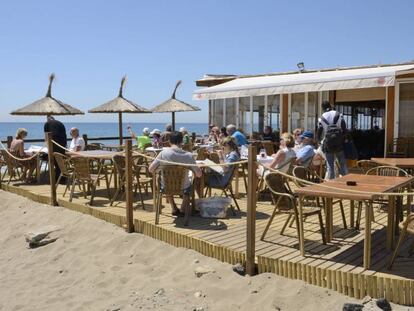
(238, 112)
(265, 118)
(289, 113)
(224, 111)
(306, 110)
(251, 116)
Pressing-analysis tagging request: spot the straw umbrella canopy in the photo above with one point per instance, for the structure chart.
(47, 105)
(120, 105)
(174, 105)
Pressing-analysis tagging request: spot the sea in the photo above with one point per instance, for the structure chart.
(94, 129)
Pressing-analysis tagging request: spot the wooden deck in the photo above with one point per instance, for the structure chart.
(337, 265)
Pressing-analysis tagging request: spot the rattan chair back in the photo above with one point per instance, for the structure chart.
(202, 154)
(173, 178)
(214, 157)
(81, 168)
(365, 165)
(63, 163)
(387, 171)
(120, 164)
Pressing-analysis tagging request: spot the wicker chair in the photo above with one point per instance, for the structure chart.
(214, 157)
(380, 171)
(228, 187)
(202, 154)
(173, 178)
(398, 148)
(277, 185)
(82, 175)
(306, 174)
(13, 167)
(365, 165)
(407, 227)
(66, 170)
(269, 146)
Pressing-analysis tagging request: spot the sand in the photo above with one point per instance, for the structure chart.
(97, 266)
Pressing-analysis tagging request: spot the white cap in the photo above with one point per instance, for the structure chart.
(156, 131)
(145, 130)
(183, 129)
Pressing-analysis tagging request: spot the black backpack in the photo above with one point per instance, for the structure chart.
(333, 141)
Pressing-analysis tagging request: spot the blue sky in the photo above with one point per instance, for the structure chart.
(90, 45)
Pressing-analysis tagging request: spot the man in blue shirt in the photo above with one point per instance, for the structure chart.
(306, 151)
(240, 138)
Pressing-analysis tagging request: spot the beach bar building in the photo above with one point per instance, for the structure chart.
(377, 101)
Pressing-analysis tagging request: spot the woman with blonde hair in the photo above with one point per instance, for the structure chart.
(17, 149)
(283, 158)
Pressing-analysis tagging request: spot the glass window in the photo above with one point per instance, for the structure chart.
(273, 111)
(406, 110)
(297, 111)
(217, 112)
(231, 113)
(312, 121)
(258, 113)
(244, 106)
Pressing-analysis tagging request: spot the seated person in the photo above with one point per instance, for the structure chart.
(186, 137)
(283, 158)
(165, 136)
(268, 135)
(177, 155)
(239, 136)
(156, 138)
(306, 151)
(296, 134)
(144, 140)
(78, 143)
(223, 134)
(229, 154)
(214, 136)
(17, 149)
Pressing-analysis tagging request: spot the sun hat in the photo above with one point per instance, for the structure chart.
(183, 129)
(155, 131)
(146, 130)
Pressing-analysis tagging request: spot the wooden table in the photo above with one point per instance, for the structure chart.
(42, 150)
(340, 190)
(404, 163)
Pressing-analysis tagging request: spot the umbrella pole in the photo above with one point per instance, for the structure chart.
(120, 128)
(173, 121)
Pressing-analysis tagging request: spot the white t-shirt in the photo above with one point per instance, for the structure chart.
(330, 117)
(78, 141)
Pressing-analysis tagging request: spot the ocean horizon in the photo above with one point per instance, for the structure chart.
(95, 129)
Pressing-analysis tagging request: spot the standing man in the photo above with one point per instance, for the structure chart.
(58, 131)
(165, 136)
(331, 131)
(240, 138)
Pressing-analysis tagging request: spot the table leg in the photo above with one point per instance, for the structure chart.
(236, 179)
(301, 233)
(409, 199)
(367, 241)
(391, 223)
(352, 214)
(154, 191)
(329, 220)
(38, 168)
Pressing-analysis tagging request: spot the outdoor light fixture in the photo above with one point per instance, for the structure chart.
(301, 66)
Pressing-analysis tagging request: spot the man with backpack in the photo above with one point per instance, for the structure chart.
(331, 131)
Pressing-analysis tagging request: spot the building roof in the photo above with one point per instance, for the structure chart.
(225, 86)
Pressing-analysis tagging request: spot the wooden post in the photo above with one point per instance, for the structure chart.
(251, 212)
(120, 128)
(9, 141)
(85, 138)
(52, 179)
(128, 186)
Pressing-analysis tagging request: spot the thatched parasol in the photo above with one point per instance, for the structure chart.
(174, 105)
(120, 105)
(48, 105)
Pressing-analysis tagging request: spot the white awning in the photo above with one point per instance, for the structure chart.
(305, 82)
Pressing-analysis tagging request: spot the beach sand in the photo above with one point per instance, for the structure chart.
(97, 266)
